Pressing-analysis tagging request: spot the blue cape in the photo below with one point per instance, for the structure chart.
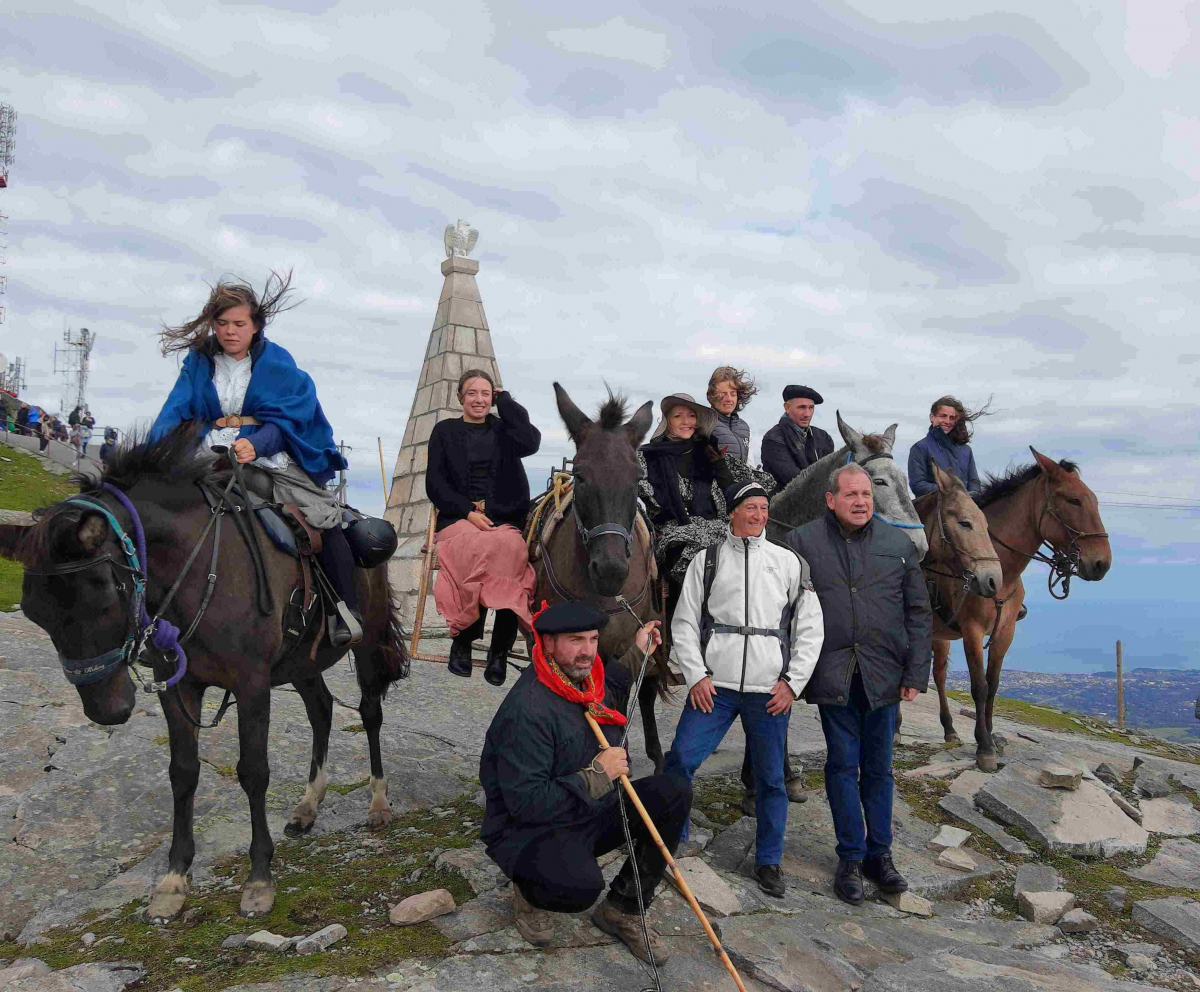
(279, 393)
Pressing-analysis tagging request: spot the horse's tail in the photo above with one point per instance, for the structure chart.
(391, 652)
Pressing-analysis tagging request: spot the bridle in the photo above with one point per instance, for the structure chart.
(882, 519)
(587, 535)
(966, 571)
(1064, 564)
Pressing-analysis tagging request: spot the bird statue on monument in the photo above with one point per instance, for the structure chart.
(460, 239)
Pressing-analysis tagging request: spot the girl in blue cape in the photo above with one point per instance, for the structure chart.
(260, 405)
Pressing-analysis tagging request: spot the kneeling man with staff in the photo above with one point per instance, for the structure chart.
(551, 797)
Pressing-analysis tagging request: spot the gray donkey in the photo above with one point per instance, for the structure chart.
(803, 499)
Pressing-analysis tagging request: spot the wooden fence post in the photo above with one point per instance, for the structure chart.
(1120, 691)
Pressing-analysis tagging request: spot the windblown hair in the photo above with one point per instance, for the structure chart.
(197, 334)
(474, 374)
(997, 487)
(745, 386)
(963, 430)
(835, 477)
(611, 414)
(874, 442)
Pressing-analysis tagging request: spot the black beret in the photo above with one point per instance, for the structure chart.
(801, 393)
(569, 618)
(739, 492)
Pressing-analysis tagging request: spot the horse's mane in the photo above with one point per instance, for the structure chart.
(611, 414)
(998, 486)
(171, 457)
(874, 442)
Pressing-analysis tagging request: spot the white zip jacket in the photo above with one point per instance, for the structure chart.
(753, 585)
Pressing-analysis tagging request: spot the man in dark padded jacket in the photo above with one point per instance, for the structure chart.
(551, 790)
(793, 444)
(876, 652)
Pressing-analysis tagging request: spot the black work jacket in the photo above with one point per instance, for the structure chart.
(448, 482)
(876, 610)
(535, 748)
(782, 454)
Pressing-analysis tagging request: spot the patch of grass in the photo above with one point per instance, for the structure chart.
(24, 485)
(225, 771)
(354, 728)
(718, 797)
(345, 788)
(349, 878)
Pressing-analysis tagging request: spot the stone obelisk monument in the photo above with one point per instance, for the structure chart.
(460, 340)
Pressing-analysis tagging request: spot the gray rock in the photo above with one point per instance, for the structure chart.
(1146, 950)
(1116, 898)
(1059, 777)
(1175, 917)
(909, 902)
(1077, 921)
(1035, 878)
(480, 871)
(1152, 784)
(956, 858)
(1177, 864)
(1139, 962)
(729, 848)
(1045, 907)
(264, 940)
(711, 891)
(88, 939)
(234, 940)
(421, 907)
(322, 939)
(1107, 775)
(948, 837)
(1126, 807)
(490, 913)
(102, 976)
(963, 809)
(22, 968)
(1175, 817)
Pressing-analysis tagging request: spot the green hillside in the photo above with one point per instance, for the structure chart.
(24, 485)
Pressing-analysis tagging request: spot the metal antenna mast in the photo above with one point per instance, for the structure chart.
(12, 376)
(74, 366)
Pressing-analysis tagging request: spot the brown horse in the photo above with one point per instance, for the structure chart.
(597, 552)
(1044, 503)
(83, 586)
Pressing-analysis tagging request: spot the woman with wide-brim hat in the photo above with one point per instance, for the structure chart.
(685, 475)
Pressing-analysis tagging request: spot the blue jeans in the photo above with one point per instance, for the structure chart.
(699, 733)
(858, 773)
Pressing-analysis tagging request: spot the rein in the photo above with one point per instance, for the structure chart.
(966, 574)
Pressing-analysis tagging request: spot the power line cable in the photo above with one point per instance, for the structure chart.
(1184, 499)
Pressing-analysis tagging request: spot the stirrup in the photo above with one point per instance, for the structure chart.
(351, 624)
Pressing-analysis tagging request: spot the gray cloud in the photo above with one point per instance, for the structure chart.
(371, 89)
(1113, 204)
(273, 226)
(519, 202)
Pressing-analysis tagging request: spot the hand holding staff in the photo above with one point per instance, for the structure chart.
(680, 882)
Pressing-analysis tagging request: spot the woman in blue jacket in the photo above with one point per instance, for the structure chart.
(259, 404)
(948, 444)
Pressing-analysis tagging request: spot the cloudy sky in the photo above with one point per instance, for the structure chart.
(886, 201)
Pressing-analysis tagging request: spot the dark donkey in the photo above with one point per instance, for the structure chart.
(83, 586)
(1045, 503)
(597, 552)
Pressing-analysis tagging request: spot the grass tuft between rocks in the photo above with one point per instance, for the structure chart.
(350, 878)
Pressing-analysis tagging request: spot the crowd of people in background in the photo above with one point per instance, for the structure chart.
(30, 420)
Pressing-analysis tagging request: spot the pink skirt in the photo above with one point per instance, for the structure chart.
(482, 568)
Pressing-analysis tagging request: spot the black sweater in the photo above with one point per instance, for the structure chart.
(448, 481)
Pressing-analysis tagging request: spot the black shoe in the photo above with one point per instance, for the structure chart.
(1023, 612)
(882, 872)
(497, 667)
(770, 880)
(343, 634)
(460, 655)
(847, 883)
(504, 635)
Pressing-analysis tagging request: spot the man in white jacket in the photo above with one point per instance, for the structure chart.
(747, 634)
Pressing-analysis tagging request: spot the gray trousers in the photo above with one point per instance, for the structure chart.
(294, 486)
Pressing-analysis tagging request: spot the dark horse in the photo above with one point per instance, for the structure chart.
(1045, 503)
(80, 586)
(597, 552)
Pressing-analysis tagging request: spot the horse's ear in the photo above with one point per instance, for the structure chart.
(639, 423)
(890, 437)
(946, 481)
(1049, 465)
(849, 434)
(576, 421)
(11, 536)
(91, 532)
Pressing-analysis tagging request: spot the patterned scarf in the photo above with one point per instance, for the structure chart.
(554, 679)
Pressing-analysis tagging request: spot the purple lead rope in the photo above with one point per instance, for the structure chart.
(165, 635)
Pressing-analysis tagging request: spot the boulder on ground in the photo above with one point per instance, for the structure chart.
(908, 902)
(1045, 907)
(710, 889)
(22, 968)
(1105, 773)
(1174, 917)
(267, 941)
(1077, 921)
(1149, 951)
(102, 976)
(1177, 864)
(1035, 877)
(1116, 898)
(421, 907)
(1175, 817)
(1152, 784)
(956, 858)
(948, 837)
(323, 938)
(963, 809)
(1059, 777)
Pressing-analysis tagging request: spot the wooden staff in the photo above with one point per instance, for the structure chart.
(680, 882)
(383, 474)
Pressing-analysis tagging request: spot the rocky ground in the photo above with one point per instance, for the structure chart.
(1075, 867)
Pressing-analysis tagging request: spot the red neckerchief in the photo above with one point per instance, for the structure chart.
(553, 678)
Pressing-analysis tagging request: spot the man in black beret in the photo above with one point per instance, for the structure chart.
(793, 444)
(550, 788)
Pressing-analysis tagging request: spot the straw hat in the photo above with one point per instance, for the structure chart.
(706, 416)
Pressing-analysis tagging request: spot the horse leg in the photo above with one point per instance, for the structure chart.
(254, 774)
(985, 747)
(941, 665)
(996, 652)
(646, 699)
(171, 892)
(379, 814)
(319, 704)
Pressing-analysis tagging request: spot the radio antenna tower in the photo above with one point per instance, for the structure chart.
(74, 366)
(8, 140)
(12, 376)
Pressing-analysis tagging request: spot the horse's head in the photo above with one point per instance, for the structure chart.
(889, 483)
(1070, 520)
(78, 589)
(606, 480)
(958, 536)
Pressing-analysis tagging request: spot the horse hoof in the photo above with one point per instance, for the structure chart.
(258, 899)
(378, 819)
(302, 820)
(168, 898)
(795, 790)
(749, 807)
(987, 763)
(953, 740)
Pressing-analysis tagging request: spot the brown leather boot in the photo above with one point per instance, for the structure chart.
(627, 928)
(533, 924)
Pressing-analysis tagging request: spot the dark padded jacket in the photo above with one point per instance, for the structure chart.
(534, 750)
(876, 610)
(448, 481)
(782, 454)
(958, 459)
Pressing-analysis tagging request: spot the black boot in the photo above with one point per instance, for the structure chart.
(847, 883)
(882, 872)
(504, 634)
(338, 562)
(460, 647)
